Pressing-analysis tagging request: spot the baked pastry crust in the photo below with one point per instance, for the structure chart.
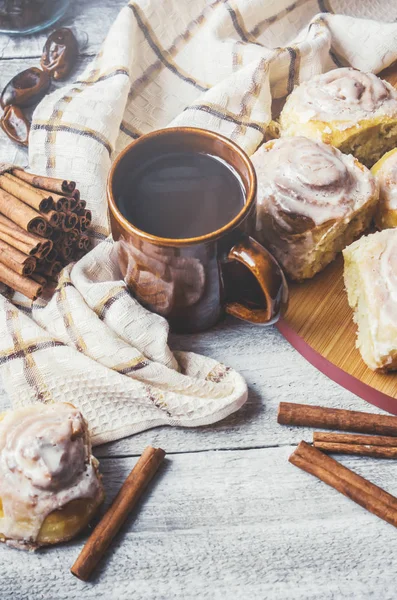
(370, 275)
(351, 110)
(385, 170)
(49, 482)
(312, 202)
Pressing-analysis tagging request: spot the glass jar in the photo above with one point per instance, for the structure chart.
(21, 17)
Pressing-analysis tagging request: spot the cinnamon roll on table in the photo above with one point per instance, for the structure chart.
(370, 274)
(385, 170)
(49, 482)
(351, 110)
(312, 202)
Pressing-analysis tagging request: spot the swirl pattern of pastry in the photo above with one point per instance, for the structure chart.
(344, 95)
(49, 483)
(354, 111)
(371, 282)
(385, 170)
(312, 201)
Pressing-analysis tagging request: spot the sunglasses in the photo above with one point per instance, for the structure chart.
(26, 89)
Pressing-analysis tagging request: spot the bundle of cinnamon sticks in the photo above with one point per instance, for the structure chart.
(43, 227)
(379, 441)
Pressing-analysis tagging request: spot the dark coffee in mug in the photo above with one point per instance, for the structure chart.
(182, 205)
(181, 195)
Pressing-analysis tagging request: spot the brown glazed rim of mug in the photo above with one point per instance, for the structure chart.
(208, 237)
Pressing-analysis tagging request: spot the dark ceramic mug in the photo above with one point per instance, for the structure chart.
(193, 281)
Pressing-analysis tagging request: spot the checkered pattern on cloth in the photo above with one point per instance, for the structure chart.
(215, 64)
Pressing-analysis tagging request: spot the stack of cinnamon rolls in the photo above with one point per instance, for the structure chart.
(329, 178)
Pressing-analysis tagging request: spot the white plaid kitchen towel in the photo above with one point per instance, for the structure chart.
(215, 64)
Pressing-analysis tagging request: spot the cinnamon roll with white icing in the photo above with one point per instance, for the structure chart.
(353, 111)
(385, 170)
(370, 275)
(312, 202)
(49, 482)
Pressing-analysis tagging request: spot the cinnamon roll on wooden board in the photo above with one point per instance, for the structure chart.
(351, 110)
(370, 274)
(49, 482)
(312, 202)
(385, 170)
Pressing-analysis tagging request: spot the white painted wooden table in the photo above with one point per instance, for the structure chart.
(228, 517)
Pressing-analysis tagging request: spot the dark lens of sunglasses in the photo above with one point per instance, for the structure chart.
(26, 88)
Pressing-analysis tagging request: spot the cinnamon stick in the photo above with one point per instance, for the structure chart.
(357, 449)
(49, 197)
(26, 286)
(80, 207)
(52, 256)
(23, 215)
(354, 438)
(88, 217)
(73, 202)
(30, 196)
(336, 418)
(63, 204)
(73, 235)
(378, 446)
(19, 245)
(16, 260)
(69, 222)
(84, 243)
(52, 217)
(82, 223)
(65, 252)
(345, 481)
(66, 240)
(49, 269)
(15, 231)
(122, 505)
(40, 279)
(57, 233)
(44, 250)
(51, 184)
(27, 246)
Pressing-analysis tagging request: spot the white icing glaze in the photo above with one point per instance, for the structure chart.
(300, 176)
(343, 95)
(307, 190)
(387, 177)
(376, 255)
(388, 274)
(383, 272)
(45, 462)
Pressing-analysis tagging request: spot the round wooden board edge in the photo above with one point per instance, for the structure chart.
(354, 385)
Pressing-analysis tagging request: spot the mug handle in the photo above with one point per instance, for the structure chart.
(271, 280)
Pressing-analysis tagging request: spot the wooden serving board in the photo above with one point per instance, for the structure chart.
(319, 324)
